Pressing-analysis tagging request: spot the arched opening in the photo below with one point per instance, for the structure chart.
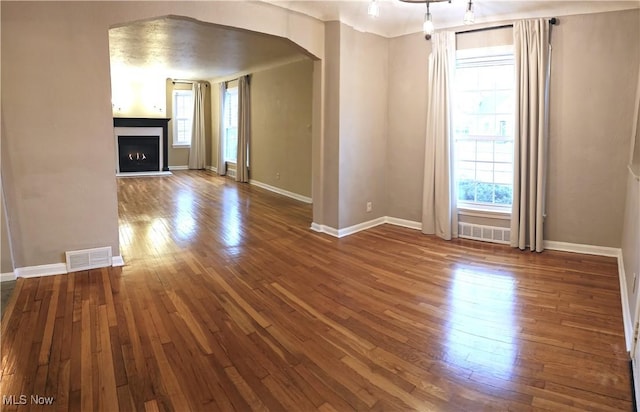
(152, 59)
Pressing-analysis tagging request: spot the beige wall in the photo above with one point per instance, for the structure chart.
(281, 127)
(593, 75)
(595, 59)
(407, 125)
(57, 142)
(6, 261)
(631, 241)
(330, 145)
(137, 94)
(353, 154)
(179, 156)
(363, 126)
(317, 143)
(488, 38)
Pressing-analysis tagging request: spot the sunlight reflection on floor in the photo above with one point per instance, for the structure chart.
(231, 219)
(482, 325)
(158, 234)
(184, 221)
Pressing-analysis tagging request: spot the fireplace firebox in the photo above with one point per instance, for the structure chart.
(138, 153)
(141, 146)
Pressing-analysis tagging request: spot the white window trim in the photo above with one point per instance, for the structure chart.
(499, 54)
(227, 160)
(175, 123)
(484, 211)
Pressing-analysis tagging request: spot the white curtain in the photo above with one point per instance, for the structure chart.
(222, 165)
(197, 152)
(439, 215)
(244, 129)
(532, 59)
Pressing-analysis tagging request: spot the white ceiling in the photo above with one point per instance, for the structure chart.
(186, 49)
(398, 18)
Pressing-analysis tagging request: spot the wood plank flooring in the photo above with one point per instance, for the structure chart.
(229, 302)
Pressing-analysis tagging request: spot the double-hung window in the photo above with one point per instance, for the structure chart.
(483, 128)
(182, 117)
(230, 124)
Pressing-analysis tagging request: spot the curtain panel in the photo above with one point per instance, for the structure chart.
(197, 152)
(244, 129)
(439, 215)
(222, 165)
(532, 61)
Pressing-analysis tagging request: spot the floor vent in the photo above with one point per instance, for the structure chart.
(88, 259)
(485, 233)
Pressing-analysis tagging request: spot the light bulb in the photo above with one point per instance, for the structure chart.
(469, 17)
(374, 9)
(427, 27)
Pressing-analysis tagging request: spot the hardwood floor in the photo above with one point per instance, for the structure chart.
(229, 302)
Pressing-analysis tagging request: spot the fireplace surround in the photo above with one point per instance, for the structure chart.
(141, 146)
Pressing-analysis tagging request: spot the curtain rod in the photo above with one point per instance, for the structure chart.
(552, 21)
(174, 81)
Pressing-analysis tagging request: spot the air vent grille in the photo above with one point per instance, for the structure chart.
(485, 233)
(88, 259)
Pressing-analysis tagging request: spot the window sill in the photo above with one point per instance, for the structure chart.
(181, 146)
(484, 211)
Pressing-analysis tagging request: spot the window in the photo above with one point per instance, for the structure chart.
(483, 128)
(182, 117)
(230, 124)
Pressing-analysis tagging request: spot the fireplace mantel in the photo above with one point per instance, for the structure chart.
(149, 122)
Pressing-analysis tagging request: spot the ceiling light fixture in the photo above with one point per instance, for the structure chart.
(427, 26)
(374, 9)
(469, 17)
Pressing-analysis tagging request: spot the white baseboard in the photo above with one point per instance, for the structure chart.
(627, 318)
(348, 230)
(331, 231)
(316, 227)
(548, 244)
(579, 248)
(212, 168)
(41, 270)
(142, 174)
(365, 225)
(361, 226)
(279, 191)
(7, 277)
(410, 224)
(117, 261)
(48, 270)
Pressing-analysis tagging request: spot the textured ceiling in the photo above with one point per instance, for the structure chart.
(180, 48)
